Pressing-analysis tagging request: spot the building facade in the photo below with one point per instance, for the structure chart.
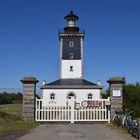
(71, 83)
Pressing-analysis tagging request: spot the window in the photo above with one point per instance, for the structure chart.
(52, 96)
(89, 96)
(71, 44)
(71, 68)
(71, 95)
(71, 23)
(71, 55)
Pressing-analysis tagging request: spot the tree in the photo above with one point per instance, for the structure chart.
(8, 98)
(105, 94)
(131, 96)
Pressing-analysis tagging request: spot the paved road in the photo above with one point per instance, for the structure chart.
(75, 132)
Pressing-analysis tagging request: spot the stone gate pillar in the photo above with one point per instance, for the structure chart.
(116, 93)
(29, 90)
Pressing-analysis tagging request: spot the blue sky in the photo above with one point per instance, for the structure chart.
(29, 44)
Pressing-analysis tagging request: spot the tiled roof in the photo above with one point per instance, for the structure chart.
(71, 84)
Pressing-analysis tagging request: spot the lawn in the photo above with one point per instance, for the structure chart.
(11, 108)
(11, 121)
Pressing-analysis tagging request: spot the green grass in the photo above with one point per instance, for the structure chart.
(11, 108)
(11, 121)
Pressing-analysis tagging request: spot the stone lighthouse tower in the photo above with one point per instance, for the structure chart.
(71, 49)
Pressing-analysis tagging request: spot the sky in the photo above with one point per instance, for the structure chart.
(29, 43)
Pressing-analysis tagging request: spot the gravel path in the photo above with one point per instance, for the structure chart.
(76, 132)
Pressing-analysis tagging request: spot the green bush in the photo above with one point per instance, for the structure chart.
(131, 98)
(8, 98)
(105, 94)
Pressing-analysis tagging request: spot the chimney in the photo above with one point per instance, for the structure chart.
(44, 82)
(99, 83)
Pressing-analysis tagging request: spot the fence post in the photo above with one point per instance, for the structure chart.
(28, 105)
(72, 109)
(35, 108)
(108, 116)
(116, 93)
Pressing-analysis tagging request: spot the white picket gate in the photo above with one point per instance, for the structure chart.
(70, 114)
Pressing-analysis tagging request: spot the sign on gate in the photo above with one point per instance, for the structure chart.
(89, 111)
(91, 104)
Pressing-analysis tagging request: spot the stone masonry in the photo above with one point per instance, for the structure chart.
(116, 93)
(29, 89)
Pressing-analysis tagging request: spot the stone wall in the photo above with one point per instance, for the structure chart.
(116, 93)
(29, 90)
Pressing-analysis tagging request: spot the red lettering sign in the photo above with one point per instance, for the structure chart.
(91, 104)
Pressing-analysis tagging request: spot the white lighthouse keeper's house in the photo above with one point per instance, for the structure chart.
(71, 82)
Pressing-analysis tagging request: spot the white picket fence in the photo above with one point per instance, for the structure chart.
(70, 114)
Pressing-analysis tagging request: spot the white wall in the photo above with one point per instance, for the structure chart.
(77, 69)
(61, 95)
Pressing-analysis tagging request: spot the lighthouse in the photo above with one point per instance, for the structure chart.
(71, 49)
(71, 83)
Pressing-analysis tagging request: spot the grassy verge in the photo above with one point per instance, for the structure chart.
(11, 121)
(11, 108)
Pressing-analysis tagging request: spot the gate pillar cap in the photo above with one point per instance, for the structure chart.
(29, 79)
(116, 80)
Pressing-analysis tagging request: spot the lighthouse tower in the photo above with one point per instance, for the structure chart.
(71, 84)
(71, 49)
